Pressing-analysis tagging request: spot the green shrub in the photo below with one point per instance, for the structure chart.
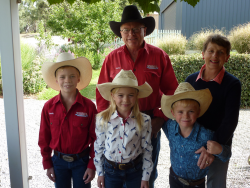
(28, 54)
(32, 77)
(173, 44)
(240, 38)
(195, 42)
(31, 69)
(238, 65)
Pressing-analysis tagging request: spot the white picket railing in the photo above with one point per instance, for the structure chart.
(152, 38)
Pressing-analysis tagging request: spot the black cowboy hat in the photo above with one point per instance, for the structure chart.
(132, 14)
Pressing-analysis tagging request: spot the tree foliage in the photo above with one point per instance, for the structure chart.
(31, 13)
(84, 23)
(146, 5)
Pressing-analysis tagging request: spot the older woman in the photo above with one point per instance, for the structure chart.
(222, 115)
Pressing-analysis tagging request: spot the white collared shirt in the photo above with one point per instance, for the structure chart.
(122, 143)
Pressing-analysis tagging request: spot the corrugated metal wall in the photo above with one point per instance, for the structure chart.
(163, 7)
(209, 14)
(169, 17)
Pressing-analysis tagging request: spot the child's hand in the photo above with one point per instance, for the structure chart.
(100, 182)
(213, 147)
(144, 184)
(51, 174)
(89, 174)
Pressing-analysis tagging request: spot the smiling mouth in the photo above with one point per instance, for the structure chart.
(214, 61)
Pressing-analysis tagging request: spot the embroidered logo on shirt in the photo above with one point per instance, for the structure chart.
(81, 114)
(152, 67)
(51, 113)
(118, 68)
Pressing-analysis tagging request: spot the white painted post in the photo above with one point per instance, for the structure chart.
(13, 93)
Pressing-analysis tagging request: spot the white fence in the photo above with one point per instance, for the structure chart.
(153, 37)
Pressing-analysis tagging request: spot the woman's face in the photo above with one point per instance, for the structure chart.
(215, 57)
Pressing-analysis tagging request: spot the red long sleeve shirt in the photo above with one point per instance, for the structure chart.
(67, 132)
(152, 65)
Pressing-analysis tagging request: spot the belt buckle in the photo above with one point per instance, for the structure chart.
(67, 158)
(185, 182)
(121, 166)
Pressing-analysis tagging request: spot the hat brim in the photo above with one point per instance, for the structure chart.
(105, 89)
(203, 97)
(81, 63)
(149, 22)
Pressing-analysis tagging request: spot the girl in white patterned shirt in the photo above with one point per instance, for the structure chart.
(123, 150)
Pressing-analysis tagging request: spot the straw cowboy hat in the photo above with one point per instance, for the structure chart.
(125, 78)
(82, 64)
(186, 91)
(132, 14)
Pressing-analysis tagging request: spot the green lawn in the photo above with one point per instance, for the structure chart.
(88, 92)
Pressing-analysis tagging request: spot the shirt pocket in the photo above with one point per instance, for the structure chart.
(54, 129)
(80, 122)
(152, 77)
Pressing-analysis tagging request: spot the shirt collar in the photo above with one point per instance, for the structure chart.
(193, 134)
(116, 114)
(217, 79)
(78, 98)
(145, 47)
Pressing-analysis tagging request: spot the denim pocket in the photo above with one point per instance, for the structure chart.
(108, 168)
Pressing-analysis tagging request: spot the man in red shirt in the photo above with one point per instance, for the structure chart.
(68, 123)
(147, 62)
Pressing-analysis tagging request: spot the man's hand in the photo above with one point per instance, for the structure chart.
(156, 126)
(214, 147)
(205, 158)
(51, 174)
(144, 184)
(89, 174)
(100, 182)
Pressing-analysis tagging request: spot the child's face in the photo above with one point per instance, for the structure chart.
(125, 99)
(215, 56)
(67, 78)
(186, 115)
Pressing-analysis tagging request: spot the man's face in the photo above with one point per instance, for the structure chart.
(134, 38)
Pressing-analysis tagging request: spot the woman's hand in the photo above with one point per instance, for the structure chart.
(205, 158)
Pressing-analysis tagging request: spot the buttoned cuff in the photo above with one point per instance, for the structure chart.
(91, 164)
(47, 164)
(145, 175)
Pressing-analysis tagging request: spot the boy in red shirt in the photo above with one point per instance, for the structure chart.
(68, 123)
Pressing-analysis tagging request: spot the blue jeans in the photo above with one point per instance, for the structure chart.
(156, 143)
(115, 178)
(64, 171)
(217, 174)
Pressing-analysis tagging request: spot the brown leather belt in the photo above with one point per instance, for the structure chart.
(188, 182)
(125, 166)
(71, 158)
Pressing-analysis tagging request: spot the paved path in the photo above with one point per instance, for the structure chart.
(238, 175)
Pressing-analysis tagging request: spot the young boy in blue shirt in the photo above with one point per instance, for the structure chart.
(68, 123)
(186, 136)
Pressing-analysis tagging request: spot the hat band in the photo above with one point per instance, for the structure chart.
(67, 66)
(184, 99)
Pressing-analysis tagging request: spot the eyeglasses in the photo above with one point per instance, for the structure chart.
(134, 30)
